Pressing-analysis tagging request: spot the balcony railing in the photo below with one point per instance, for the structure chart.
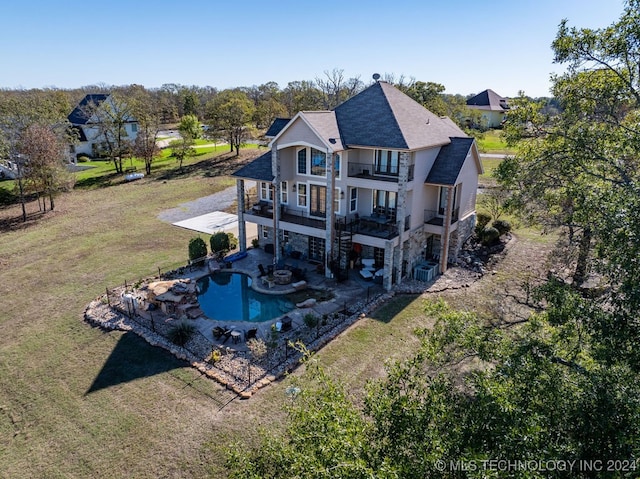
(287, 214)
(369, 171)
(376, 226)
(367, 225)
(434, 217)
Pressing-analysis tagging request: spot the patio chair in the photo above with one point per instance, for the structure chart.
(251, 334)
(218, 331)
(262, 271)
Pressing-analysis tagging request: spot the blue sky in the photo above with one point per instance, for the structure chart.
(465, 45)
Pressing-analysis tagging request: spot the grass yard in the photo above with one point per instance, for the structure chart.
(79, 402)
(492, 142)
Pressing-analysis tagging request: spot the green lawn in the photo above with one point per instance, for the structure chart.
(492, 142)
(76, 401)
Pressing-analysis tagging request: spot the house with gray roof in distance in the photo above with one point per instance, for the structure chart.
(378, 187)
(86, 120)
(493, 108)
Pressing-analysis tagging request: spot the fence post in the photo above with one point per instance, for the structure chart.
(108, 299)
(159, 273)
(249, 369)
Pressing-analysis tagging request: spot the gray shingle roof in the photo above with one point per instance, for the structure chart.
(488, 100)
(79, 115)
(383, 117)
(259, 169)
(448, 163)
(277, 125)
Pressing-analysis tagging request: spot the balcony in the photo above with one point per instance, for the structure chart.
(369, 171)
(378, 227)
(433, 217)
(289, 215)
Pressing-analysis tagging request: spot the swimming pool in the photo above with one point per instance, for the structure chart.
(228, 296)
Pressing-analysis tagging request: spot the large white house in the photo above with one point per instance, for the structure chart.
(87, 118)
(379, 181)
(492, 107)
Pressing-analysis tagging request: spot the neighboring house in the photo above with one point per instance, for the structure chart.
(492, 107)
(379, 178)
(87, 124)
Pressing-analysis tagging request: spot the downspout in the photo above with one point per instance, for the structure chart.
(444, 248)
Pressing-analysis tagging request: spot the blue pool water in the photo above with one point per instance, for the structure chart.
(229, 297)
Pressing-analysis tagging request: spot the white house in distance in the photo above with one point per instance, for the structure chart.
(87, 125)
(492, 107)
(378, 181)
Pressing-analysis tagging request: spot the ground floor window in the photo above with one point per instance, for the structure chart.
(266, 191)
(353, 200)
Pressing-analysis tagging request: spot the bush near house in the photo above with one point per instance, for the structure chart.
(197, 248)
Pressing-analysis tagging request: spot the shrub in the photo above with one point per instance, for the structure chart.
(82, 158)
(197, 248)
(233, 241)
(215, 356)
(482, 220)
(181, 333)
(255, 242)
(503, 226)
(489, 236)
(257, 347)
(311, 320)
(220, 243)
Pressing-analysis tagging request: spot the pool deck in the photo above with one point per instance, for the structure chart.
(355, 288)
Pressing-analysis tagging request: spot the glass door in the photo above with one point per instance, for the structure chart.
(318, 200)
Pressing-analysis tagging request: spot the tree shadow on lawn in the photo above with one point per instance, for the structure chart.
(221, 165)
(101, 181)
(133, 358)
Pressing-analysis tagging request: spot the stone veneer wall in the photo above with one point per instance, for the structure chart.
(460, 235)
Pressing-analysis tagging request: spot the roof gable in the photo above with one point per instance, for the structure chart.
(449, 162)
(80, 114)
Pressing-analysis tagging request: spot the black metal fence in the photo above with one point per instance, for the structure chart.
(275, 352)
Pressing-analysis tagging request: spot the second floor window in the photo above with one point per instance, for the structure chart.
(302, 194)
(310, 161)
(318, 162)
(302, 161)
(353, 200)
(284, 194)
(387, 162)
